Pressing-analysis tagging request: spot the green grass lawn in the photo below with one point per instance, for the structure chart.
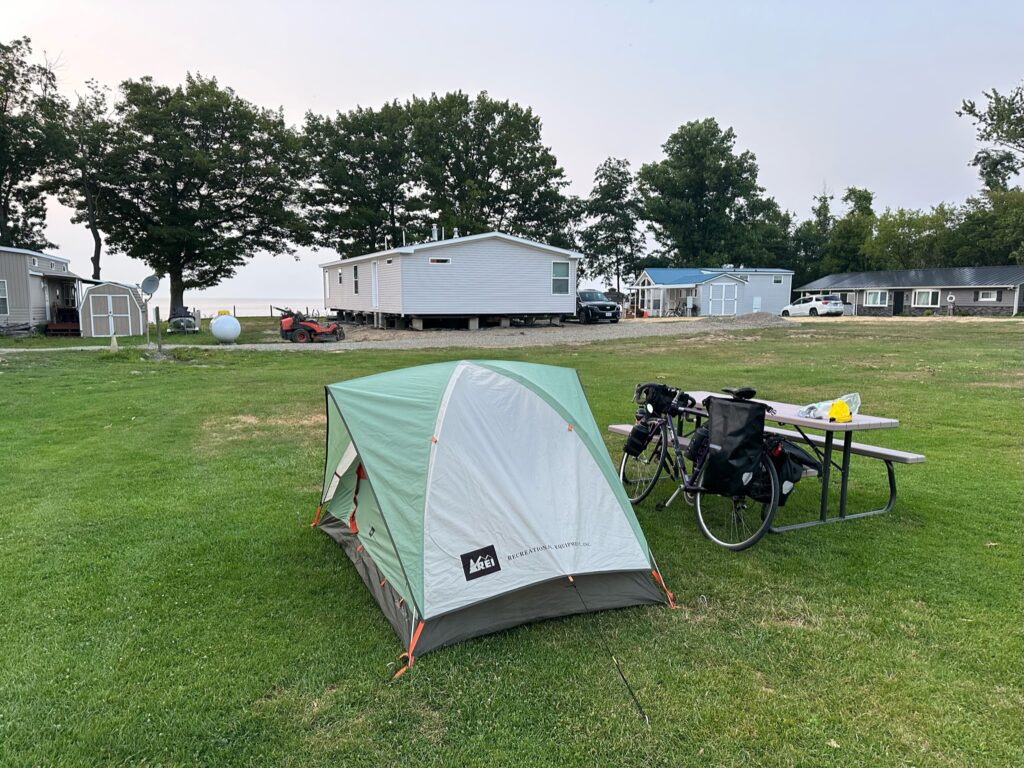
(163, 600)
(255, 330)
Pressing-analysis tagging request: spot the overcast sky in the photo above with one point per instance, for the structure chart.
(824, 94)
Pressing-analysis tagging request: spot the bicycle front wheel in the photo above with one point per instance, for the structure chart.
(639, 474)
(738, 522)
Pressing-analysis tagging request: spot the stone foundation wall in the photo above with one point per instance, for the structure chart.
(995, 311)
(875, 311)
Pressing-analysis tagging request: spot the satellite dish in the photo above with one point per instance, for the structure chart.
(150, 284)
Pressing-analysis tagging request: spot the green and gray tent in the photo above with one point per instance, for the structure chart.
(474, 496)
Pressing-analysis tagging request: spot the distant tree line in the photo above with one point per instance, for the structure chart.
(193, 180)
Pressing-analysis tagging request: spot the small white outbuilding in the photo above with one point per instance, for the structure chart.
(112, 309)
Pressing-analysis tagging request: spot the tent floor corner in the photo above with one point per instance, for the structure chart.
(548, 600)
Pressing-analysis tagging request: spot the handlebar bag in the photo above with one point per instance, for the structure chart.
(737, 442)
(659, 396)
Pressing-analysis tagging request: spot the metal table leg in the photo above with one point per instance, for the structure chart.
(844, 473)
(826, 471)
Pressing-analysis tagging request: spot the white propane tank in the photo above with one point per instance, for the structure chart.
(225, 329)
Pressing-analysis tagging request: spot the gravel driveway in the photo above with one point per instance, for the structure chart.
(486, 338)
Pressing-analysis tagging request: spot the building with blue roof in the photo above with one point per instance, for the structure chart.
(724, 292)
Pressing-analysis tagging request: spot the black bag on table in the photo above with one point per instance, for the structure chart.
(737, 442)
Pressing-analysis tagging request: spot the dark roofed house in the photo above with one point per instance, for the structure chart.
(970, 290)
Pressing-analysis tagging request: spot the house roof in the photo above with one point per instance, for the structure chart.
(696, 275)
(42, 271)
(27, 252)
(948, 277)
(417, 247)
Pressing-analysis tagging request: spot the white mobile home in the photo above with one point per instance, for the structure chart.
(477, 277)
(717, 292)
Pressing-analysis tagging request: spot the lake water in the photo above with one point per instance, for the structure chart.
(240, 306)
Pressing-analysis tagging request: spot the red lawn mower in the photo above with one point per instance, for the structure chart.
(296, 327)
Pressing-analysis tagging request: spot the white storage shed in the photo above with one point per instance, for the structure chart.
(112, 309)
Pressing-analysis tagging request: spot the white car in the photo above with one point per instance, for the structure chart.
(813, 306)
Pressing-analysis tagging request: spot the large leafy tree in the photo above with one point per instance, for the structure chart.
(702, 198)
(362, 192)
(84, 170)
(611, 238)
(30, 109)
(847, 246)
(483, 166)
(205, 180)
(1000, 124)
(809, 240)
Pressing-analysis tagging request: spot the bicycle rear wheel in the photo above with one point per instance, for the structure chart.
(639, 474)
(738, 522)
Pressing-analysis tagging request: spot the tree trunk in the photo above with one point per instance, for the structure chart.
(97, 248)
(177, 291)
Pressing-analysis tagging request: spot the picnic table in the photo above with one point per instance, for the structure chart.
(786, 415)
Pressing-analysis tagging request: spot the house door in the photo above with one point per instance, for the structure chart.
(723, 299)
(897, 302)
(46, 300)
(374, 295)
(756, 306)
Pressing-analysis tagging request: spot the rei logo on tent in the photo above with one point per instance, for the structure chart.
(480, 562)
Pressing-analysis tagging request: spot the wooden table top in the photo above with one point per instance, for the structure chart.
(786, 413)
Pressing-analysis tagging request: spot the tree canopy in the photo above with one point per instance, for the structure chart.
(703, 202)
(30, 110)
(611, 238)
(205, 181)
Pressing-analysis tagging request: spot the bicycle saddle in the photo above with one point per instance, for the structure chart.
(740, 393)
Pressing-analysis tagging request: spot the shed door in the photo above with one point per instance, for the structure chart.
(110, 315)
(102, 322)
(120, 315)
(723, 298)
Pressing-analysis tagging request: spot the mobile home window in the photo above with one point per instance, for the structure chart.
(65, 268)
(987, 296)
(35, 261)
(340, 280)
(926, 298)
(777, 280)
(560, 278)
(52, 265)
(876, 298)
(355, 279)
(439, 260)
(4, 308)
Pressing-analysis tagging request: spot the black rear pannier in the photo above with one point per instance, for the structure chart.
(737, 442)
(638, 439)
(790, 463)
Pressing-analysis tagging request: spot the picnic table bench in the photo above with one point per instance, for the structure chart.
(787, 414)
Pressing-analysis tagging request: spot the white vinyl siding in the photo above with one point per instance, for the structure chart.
(5, 306)
(876, 298)
(560, 278)
(490, 276)
(926, 298)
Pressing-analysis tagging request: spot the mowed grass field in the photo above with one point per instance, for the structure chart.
(163, 600)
